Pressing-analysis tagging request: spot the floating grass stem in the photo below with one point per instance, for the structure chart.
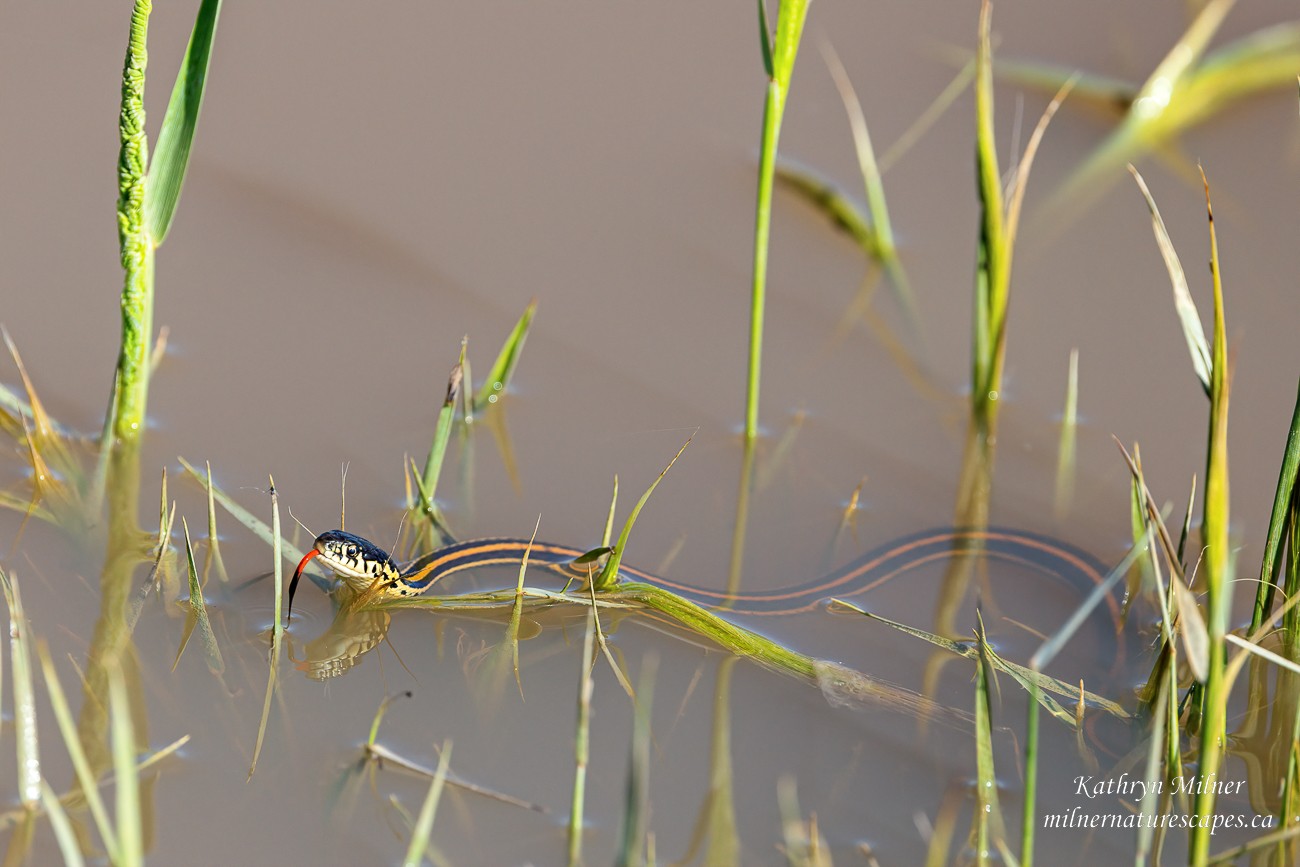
(424, 824)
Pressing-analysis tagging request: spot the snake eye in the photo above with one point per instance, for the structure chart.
(352, 551)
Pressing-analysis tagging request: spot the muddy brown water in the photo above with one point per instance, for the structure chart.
(367, 188)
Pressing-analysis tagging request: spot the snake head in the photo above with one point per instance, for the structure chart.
(359, 562)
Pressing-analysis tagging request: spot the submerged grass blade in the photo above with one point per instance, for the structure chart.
(214, 543)
(636, 804)
(804, 846)
(498, 377)
(277, 629)
(1067, 446)
(25, 728)
(582, 742)
(176, 136)
(988, 812)
(62, 828)
(86, 780)
(385, 756)
(130, 831)
(516, 612)
(424, 824)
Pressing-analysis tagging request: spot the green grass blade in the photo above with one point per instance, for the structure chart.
(988, 816)
(790, 20)
(1188, 316)
(991, 276)
(28, 766)
(1216, 566)
(609, 518)
(609, 574)
(765, 37)
(783, 50)
(441, 436)
(499, 375)
(171, 157)
(1283, 497)
(424, 824)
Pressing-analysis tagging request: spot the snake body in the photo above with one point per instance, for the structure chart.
(364, 566)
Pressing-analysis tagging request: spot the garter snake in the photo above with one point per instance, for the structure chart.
(364, 566)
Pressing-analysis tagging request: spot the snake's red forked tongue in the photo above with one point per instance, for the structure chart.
(293, 585)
